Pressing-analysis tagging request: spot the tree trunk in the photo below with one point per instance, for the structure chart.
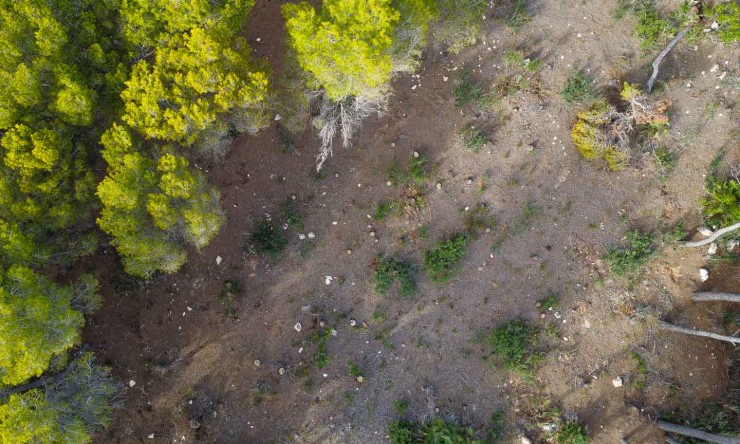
(710, 296)
(713, 237)
(705, 334)
(694, 433)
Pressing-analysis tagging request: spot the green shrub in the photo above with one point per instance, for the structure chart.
(629, 258)
(577, 88)
(419, 167)
(291, 216)
(437, 431)
(549, 302)
(572, 432)
(666, 161)
(441, 262)
(459, 23)
(517, 14)
(392, 269)
(473, 138)
(512, 343)
(727, 16)
(385, 209)
(652, 29)
(721, 206)
(466, 90)
(321, 337)
(267, 239)
(231, 291)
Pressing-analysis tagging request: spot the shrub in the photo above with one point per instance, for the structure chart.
(458, 23)
(512, 343)
(437, 431)
(577, 88)
(572, 432)
(267, 239)
(629, 258)
(466, 90)
(721, 206)
(517, 14)
(472, 138)
(603, 132)
(651, 28)
(666, 161)
(392, 269)
(727, 16)
(441, 262)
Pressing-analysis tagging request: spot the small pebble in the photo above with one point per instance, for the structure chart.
(311, 235)
(298, 327)
(257, 362)
(372, 234)
(281, 371)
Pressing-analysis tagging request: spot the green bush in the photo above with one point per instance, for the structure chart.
(466, 90)
(438, 431)
(727, 16)
(512, 343)
(268, 240)
(629, 258)
(572, 432)
(577, 88)
(441, 262)
(721, 206)
(392, 269)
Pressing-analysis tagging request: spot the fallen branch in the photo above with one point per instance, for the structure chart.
(713, 237)
(704, 334)
(671, 441)
(699, 434)
(709, 297)
(656, 63)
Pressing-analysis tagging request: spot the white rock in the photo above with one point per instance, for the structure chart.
(257, 362)
(218, 260)
(311, 235)
(301, 236)
(413, 87)
(731, 244)
(617, 382)
(389, 183)
(281, 371)
(445, 78)
(131, 383)
(278, 117)
(524, 440)
(586, 324)
(298, 327)
(151, 436)
(712, 249)
(704, 231)
(703, 274)
(328, 279)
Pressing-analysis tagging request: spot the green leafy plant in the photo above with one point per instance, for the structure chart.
(268, 240)
(549, 302)
(572, 432)
(466, 90)
(577, 88)
(437, 431)
(291, 216)
(727, 16)
(629, 258)
(419, 167)
(320, 337)
(721, 206)
(472, 138)
(512, 343)
(666, 161)
(517, 14)
(392, 269)
(441, 262)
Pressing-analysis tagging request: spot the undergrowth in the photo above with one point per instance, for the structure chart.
(437, 431)
(638, 249)
(577, 88)
(572, 432)
(513, 343)
(268, 240)
(392, 269)
(466, 90)
(441, 263)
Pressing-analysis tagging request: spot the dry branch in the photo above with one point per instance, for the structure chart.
(699, 434)
(710, 296)
(713, 237)
(705, 334)
(656, 63)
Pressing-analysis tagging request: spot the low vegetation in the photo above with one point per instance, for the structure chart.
(513, 344)
(638, 249)
(437, 431)
(392, 269)
(577, 88)
(267, 239)
(441, 263)
(721, 205)
(572, 432)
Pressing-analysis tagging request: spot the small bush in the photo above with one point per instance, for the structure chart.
(231, 291)
(631, 257)
(267, 239)
(577, 88)
(512, 343)
(473, 139)
(286, 142)
(291, 216)
(419, 168)
(517, 15)
(385, 209)
(437, 431)
(459, 23)
(727, 15)
(441, 262)
(652, 29)
(572, 432)
(321, 337)
(549, 302)
(721, 206)
(466, 90)
(666, 161)
(392, 269)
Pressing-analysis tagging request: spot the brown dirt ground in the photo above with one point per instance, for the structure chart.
(189, 360)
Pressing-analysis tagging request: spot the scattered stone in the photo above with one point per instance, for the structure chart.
(414, 87)
(617, 382)
(328, 279)
(469, 181)
(525, 440)
(257, 362)
(349, 251)
(131, 383)
(336, 175)
(298, 327)
(445, 78)
(439, 185)
(704, 231)
(311, 235)
(278, 117)
(529, 148)
(393, 144)
(194, 424)
(352, 322)
(360, 379)
(281, 371)
(703, 274)
(416, 154)
(301, 236)
(731, 244)
(712, 249)
(389, 183)
(372, 234)
(151, 436)
(586, 324)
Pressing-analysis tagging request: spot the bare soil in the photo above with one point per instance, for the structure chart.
(193, 361)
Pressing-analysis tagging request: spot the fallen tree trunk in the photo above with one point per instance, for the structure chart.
(704, 334)
(656, 63)
(711, 296)
(699, 434)
(713, 237)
